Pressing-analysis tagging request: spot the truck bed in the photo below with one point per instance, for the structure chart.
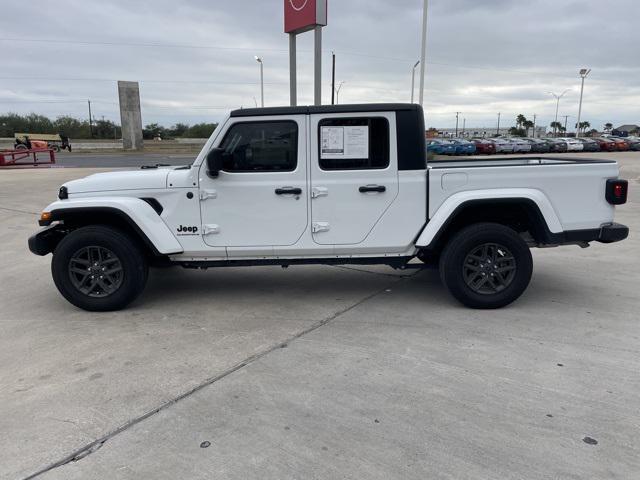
(574, 188)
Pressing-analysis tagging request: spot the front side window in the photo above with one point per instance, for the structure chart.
(353, 143)
(270, 146)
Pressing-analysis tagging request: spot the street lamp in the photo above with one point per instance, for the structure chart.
(413, 78)
(259, 60)
(583, 73)
(558, 97)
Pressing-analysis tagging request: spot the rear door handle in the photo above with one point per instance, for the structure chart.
(372, 188)
(288, 191)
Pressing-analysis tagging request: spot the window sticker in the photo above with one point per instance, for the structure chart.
(344, 142)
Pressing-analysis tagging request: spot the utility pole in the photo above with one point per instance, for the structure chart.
(413, 78)
(464, 124)
(457, 113)
(423, 54)
(498, 130)
(90, 121)
(338, 92)
(583, 73)
(333, 77)
(534, 125)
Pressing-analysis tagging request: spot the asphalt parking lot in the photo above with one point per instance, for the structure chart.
(319, 372)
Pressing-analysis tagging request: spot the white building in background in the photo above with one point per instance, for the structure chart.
(482, 132)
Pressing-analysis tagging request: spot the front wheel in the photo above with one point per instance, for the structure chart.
(99, 268)
(486, 265)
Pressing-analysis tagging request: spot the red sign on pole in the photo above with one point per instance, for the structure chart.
(303, 15)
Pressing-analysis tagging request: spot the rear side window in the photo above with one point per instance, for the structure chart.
(261, 147)
(353, 143)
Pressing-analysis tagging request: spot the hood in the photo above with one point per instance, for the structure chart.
(154, 178)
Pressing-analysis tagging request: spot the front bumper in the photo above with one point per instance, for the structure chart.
(45, 240)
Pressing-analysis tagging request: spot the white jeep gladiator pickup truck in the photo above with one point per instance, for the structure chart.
(345, 184)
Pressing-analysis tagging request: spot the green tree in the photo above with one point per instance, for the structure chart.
(200, 130)
(527, 124)
(520, 119)
(608, 127)
(557, 126)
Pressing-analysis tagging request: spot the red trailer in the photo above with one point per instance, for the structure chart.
(31, 157)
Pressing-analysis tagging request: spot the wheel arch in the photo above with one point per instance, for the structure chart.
(142, 223)
(523, 214)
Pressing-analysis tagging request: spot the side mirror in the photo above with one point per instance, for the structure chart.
(215, 161)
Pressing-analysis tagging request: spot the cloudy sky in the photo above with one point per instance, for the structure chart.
(194, 59)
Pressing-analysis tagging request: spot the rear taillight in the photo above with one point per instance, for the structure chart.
(616, 191)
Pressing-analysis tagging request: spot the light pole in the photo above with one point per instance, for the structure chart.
(498, 130)
(583, 74)
(423, 54)
(457, 113)
(558, 97)
(259, 60)
(338, 92)
(413, 78)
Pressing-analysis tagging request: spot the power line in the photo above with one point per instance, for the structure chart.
(275, 50)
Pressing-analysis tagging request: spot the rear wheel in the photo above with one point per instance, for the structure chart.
(99, 268)
(486, 265)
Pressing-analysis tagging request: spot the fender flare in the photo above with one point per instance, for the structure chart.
(438, 222)
(135, 212)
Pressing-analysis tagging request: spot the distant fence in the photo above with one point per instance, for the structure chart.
(103, 144)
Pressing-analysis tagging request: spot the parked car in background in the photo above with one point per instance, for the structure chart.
(537, 145)
(606, 144)
(621, 143)
(556, 145)
(520, 145)
(483, 146)
(573, 144)
(440, 146)
(634, 143)
(589, 145)
(464, 147)
(502, 146)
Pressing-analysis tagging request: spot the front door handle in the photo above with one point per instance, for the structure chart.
(288, 191)
(372, 188)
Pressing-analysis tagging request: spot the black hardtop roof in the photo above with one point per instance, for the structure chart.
(311, 109)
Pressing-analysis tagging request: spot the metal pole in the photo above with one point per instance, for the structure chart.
(457, 113)
(498, 131)
(261, 84)
(413, 79)
(423, 52)
(583, 74)
(317, 69)
(555, 126)
(565, 123)
(464, 124)
(333, 78)
(90, 122)
(293, 81)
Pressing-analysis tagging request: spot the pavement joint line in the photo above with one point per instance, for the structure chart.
(95, 445)
(18, 211)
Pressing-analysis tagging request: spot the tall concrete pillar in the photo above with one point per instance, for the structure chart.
(130, 115)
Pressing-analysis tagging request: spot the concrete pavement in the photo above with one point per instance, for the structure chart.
(319, 372)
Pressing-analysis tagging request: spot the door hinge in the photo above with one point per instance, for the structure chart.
(320, 227)
(210, 229)
(206, 194)
(319, 192)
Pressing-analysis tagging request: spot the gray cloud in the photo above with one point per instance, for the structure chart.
(483, 56)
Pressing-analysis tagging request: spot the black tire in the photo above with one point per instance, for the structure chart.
(117, 248)
(459, 268)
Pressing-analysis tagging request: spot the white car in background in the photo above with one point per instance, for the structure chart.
(519, 145)
(573, 144)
